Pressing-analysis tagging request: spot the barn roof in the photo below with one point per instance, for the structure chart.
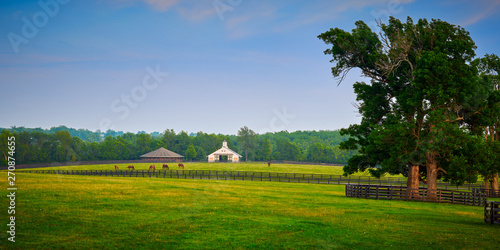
(162, 152)
(224, 150)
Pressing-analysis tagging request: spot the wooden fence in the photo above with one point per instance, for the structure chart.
(491, 212)
(402, 193)
(490, 192)
(251, 176)
(225, 175)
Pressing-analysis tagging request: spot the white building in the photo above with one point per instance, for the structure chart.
(224, 151)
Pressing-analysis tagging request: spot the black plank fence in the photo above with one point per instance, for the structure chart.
(492, 212)
(403, 193)
(489, 192)
(251, 176)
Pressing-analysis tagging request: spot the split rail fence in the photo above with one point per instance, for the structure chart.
(474, 198)
(251, 176)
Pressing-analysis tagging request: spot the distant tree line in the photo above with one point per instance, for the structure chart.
(62, 144)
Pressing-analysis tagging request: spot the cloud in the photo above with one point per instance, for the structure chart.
(161, 5)
(197, 12)
(245, 18)
(193, 10)
(245, 21)
(158, 5)
(486, 8)
(285, 16)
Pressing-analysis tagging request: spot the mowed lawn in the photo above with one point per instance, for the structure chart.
(60, 211)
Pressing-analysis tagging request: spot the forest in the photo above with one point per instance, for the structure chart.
(63, 144)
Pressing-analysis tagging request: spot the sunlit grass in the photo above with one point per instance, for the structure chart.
(60, 211)
(242, 166)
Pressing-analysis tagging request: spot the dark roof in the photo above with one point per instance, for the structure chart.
(162, 153)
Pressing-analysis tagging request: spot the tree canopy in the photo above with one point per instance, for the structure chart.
(421, 78)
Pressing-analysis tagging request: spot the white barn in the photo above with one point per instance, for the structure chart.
(224, 151)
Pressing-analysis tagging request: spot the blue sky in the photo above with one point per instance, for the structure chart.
(205, 65)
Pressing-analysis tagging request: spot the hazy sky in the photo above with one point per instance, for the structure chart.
(194, 65)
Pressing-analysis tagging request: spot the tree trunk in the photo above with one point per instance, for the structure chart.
(486, 183)
(494, 185)
(413, 181)
(432, 171)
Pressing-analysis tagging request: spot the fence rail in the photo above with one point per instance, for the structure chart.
(250, 176)
(492, 212)
(490, 192)
(403, 193)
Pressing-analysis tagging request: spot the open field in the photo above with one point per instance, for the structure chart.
(242, 166)
(90, 212)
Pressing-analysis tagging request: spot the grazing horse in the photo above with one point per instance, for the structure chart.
(152, 167)
(269, 163)
(165, 166)
(131, 167)
(116, 167)
(181, 165)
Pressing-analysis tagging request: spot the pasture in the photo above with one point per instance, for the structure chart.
(242, 166)
(61, 211)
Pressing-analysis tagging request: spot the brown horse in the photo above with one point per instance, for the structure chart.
(165, 166)
(181, 165)
(131, 167)
(116, 167)
(152, 167)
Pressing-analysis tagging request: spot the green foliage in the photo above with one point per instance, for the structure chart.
(60, 146)
(247, 141)
(190, 153)
(413, 109)
(83, 134)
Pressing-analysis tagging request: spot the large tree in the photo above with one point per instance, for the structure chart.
(247, 140)
(190, 153)
(420, 77)
(483, 116)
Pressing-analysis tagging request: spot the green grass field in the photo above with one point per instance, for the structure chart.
(242, 166)
(60, 211)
